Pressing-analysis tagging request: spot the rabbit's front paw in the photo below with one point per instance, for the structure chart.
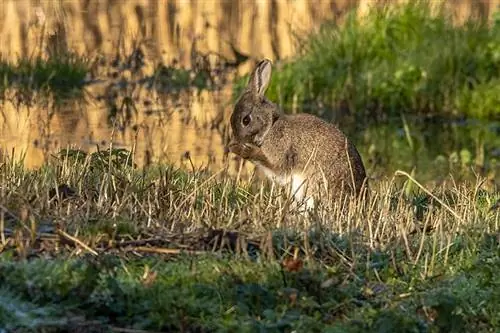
(243, 150)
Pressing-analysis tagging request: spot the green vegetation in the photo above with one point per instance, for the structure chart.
(60, 74)
(89, 242)
(64, 74)
(204, 294)
(398, 81)
(399, 59)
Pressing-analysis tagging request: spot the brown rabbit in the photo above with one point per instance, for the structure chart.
(300, 150)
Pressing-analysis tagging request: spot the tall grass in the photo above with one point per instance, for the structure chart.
(400, 58)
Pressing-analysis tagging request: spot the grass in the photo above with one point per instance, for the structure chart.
(206, 294)
(398, 59)
(90, 242)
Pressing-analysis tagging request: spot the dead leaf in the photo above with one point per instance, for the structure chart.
(292, 265)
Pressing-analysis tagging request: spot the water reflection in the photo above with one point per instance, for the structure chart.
(158, 130)
(435, 148)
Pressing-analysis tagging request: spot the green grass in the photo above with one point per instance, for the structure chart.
(407, 261)
(399, 59)
(61, 75)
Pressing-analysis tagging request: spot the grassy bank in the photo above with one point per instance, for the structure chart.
(400, 59)
(90, 243)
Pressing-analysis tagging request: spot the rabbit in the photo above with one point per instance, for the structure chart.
(300, 150)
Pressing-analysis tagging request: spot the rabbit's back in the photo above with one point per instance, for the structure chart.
(317, 149)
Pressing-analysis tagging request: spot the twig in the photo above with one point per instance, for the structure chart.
(164, 250)
(138, 242)
(77, 241)
(2, 228)
(448, 208)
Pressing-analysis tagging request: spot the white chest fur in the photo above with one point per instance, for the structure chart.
(296, 180)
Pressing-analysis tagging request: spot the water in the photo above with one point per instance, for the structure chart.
(158, 130)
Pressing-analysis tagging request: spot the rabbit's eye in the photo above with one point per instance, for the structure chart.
(246, 120)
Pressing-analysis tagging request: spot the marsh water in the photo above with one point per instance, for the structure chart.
(120, 107)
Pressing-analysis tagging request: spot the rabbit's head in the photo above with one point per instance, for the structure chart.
(253, 114)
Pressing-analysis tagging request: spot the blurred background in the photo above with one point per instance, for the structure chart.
(415, 85)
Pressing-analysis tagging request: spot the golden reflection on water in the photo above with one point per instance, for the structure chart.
(162, 131)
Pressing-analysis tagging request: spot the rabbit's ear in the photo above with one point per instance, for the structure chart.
(260, 78)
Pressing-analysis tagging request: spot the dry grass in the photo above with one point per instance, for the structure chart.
(93, 195)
